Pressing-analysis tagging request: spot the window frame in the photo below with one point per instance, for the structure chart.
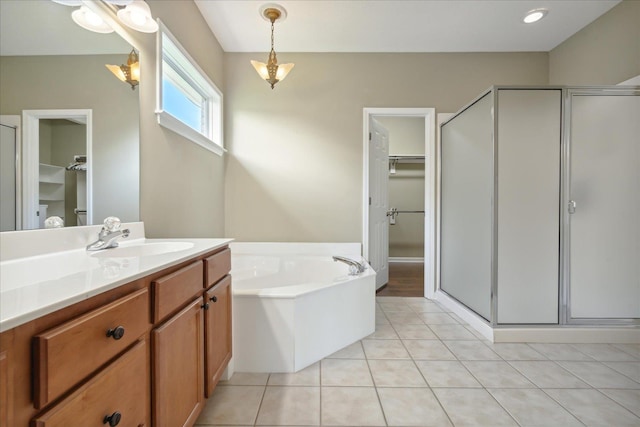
(214, 143)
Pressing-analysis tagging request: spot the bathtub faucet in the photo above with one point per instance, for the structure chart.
(355, 267)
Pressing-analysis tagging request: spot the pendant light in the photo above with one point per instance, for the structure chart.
(271, 71)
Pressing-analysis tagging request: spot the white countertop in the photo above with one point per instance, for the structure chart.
(33, 286)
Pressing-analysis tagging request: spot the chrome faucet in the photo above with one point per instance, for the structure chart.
(108, 235)
(355, 267)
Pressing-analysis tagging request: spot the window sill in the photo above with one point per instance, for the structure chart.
(166, 120)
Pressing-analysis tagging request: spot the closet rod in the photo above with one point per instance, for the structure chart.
(392, 157)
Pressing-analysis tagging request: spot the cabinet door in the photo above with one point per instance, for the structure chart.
(178, 368)
(218, 330)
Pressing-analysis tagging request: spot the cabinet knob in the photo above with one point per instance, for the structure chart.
(205, 306)
(214, 298)
(116, 333)
(113, 420)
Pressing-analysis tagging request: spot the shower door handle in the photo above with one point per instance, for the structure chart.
(572, 207)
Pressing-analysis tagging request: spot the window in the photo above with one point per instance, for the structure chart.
(188, 101)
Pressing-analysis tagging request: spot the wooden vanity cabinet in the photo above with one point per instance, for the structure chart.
(173, 343)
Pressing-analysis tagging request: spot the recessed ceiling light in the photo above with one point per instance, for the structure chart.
(534, 15)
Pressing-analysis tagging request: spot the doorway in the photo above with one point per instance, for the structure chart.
(50, 168)
(408, 167)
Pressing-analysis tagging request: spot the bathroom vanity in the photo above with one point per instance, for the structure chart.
(134, 336)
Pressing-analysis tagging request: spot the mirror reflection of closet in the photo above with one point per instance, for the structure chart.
(63, 172)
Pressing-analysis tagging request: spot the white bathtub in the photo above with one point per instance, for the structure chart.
(293, 305)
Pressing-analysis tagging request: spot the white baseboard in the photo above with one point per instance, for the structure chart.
(537, 334)
(417, 260)
(568, 334)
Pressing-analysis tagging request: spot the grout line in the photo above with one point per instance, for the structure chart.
(264, 392)
(621, 373)
(562, 406)
(375, 387)
(320, 391)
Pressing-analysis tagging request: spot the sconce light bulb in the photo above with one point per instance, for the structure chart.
(138, 18)
(92, 18)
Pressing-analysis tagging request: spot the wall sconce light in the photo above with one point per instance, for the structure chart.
(136, 15)
(89, 20)
(129, 73)
(271, 71)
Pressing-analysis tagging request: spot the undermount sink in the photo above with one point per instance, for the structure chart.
(143, 249)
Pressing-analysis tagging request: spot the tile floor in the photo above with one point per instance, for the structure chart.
(425, 367)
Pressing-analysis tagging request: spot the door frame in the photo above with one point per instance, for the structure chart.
(430, 243)
(31, 159)
(13, 120)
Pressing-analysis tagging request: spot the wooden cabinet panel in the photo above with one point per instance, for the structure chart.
(217, 266)
(6, 403)
(67, 354)
(121, 388)
(178, 368)
(173, 290)
(218, 332)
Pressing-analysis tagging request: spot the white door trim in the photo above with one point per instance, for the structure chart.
(430, 243)
(31, 159)
(14, 121)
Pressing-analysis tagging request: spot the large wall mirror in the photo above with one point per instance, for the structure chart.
(70, 128)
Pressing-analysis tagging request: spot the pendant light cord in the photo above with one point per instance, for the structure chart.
(272, 27)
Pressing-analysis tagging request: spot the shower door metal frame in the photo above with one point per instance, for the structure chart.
(565, 216)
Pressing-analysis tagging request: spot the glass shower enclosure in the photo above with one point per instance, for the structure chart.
(540, 205)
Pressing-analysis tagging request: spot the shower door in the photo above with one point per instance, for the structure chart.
(466, 206)
(602, 217)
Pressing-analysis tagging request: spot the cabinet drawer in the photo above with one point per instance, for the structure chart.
(217, 266)
(121, 388)
(70, 352)
(176, 289)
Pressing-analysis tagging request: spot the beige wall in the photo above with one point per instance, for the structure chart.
(181, 184)
(406, 185)
(294, 169)
(603, 53)
(406, 134)
(83, 82)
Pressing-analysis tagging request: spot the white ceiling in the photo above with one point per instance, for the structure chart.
(42, 27)
(400, 25)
